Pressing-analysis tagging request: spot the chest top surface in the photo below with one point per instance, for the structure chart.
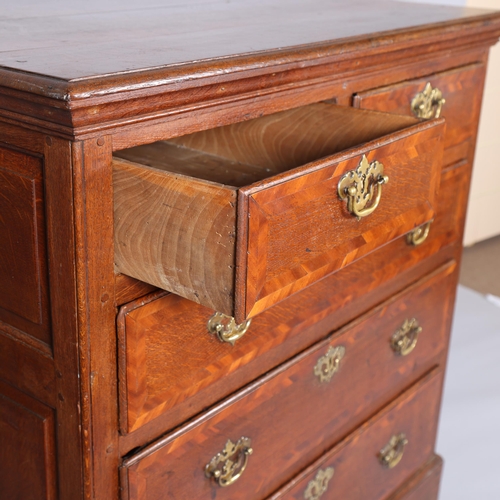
(80, 40)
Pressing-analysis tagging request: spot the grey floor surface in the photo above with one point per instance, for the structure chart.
(469, 429)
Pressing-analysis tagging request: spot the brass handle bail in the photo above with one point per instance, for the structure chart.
(392, 453)
(226, 329)
(419, 234)
(428, 103)
(404, 340)
(227, 466)
(362, 187)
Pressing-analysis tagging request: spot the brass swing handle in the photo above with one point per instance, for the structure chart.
(428, 103)
(419, 234)
(404, 340)
(362, 187)
(392, 453)
(227, 466)
(226, 329)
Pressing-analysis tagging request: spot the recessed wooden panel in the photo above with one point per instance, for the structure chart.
(461, 109)
(27, 450)
(23, 263)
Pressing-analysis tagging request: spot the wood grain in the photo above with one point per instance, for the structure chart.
(415, 413)
(461, 110)
(312, 415)
(24, 300)
(96, 314)
(199, 31)
(286, 328)
(67, 125)
(160, 368)
(292, 244)
(128, 289)
(283, 141)
(156, 212)
(284, 430)
(176, 233)
(424, 485)
(27, 454)
(64, 313)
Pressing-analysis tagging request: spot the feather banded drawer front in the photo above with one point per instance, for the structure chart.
(239, 217)
(230, 235)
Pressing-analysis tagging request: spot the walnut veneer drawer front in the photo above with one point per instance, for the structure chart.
(450, 94)
(172, 367)
(378, 457)
(306, 405)
(241, 243)
(424, 484)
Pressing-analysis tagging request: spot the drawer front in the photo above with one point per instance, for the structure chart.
(381, 455)
(303, 407)
(299, 231)
(157, 335)
(458, 88)
(171, 367)
(339, 184)
(424, 485)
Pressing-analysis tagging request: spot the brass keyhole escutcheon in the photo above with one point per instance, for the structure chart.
(317, 486)
(227, 466)
(362, 187)
(392, 453)
(226, 329)
(329, 364)
(404, 340)
(428, 103)
(419, 234)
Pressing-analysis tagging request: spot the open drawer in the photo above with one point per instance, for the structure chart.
(239, 217)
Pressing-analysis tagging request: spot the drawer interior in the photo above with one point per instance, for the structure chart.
(243, 153)
(209, 215)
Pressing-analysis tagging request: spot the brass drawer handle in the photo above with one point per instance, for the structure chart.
(226, 329)
(419, 234)
(392, 453)
(405, 338)
(329, 364)
(428, 103)
(227, 466)
(362, 188)
(317, 486)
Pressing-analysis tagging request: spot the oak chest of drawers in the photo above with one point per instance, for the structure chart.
(230, 236)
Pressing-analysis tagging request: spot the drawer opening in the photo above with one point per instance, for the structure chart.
(246, 152)
(239, 217)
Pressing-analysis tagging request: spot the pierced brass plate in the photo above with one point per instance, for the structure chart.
(317, 486)
(404, 340)
(329, 364)
(227, 466)
(362, 187)
(428, 103)
(392, 453)
(226, 329)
